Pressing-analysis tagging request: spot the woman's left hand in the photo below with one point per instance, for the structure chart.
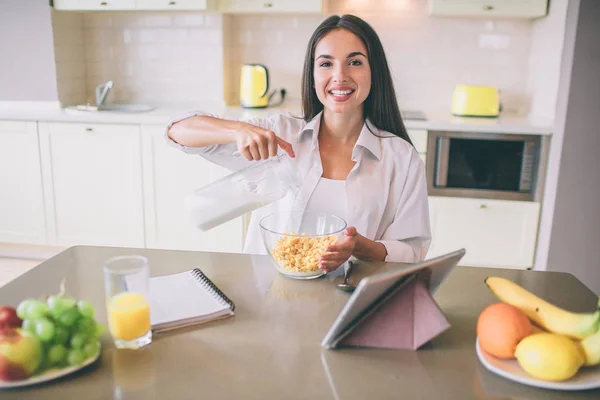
(339, 253)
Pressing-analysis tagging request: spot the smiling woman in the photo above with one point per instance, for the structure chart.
(350, 146)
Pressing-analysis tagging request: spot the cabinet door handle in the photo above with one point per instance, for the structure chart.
(268, 5)
(172, 3)
(89, 129)
(103, 3)
(488, 8)
(483, 206)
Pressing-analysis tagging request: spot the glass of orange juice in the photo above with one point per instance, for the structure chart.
(126, 280)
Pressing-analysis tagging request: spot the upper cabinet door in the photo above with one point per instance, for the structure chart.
(270, 6)
(489, 8)
(99, 5)
(194, 5)
(22, 217)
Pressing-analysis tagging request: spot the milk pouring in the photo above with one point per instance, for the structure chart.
(242, 192)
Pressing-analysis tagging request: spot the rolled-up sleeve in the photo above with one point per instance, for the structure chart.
(220, 154)
(408, 237)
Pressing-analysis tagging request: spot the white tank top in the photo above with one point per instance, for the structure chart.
(329, 196)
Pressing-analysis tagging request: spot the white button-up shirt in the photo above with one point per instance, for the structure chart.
(386, 191)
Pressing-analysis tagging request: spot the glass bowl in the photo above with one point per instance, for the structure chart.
(295, 240)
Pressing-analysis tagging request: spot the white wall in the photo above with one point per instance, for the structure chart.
(159, 58)
(190, 57)
(575, 225)
(27, 71)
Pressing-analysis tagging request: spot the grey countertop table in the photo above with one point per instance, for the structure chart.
(271, 348)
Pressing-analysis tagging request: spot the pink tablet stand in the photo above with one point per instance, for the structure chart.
(407, 320)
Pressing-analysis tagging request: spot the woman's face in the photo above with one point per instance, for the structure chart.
(342, 72)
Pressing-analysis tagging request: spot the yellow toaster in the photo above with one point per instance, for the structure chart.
(475, 101)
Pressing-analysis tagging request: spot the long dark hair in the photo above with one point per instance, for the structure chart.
(381, 106)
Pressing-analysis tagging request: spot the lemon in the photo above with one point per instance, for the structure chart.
(549, 356)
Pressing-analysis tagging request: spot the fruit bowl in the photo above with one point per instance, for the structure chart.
(46, 338)
(295, 240)
(50, 374)
(586, 378)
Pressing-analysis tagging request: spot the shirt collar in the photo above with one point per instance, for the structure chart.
(366, 139)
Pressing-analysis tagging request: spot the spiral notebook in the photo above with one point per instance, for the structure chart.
(184, 299)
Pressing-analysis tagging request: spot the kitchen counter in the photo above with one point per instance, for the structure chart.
(271, 348)
(506, 123)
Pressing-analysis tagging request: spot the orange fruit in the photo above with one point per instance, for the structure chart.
(500, 327)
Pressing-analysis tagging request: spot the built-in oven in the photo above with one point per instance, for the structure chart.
(486, 165)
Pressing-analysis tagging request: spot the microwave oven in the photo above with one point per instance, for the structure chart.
(485, 165)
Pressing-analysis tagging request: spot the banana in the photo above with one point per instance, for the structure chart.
(544, 314)
(591, 349)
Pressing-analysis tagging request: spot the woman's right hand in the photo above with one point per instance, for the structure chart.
(256, 143)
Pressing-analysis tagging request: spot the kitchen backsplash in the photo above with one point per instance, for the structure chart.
(189, 57)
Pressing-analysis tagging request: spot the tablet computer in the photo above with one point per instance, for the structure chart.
(374, 290)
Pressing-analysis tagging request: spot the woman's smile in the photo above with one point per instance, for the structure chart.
(341, 93)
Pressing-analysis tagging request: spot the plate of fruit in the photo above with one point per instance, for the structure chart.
(45, 339)
(531, 341)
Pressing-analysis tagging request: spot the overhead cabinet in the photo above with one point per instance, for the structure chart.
(115, 5)
(99, 5)
(489, 8)
(192, 5)
(270, 6)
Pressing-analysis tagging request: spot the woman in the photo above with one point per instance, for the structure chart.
(351, 148)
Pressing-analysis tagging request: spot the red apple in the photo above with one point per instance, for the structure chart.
(20, 354)
(9, 318)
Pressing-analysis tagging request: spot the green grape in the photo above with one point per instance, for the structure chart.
(28, 325)
(62, 335)
(86, 308)
(100, 330)
(86, 326)
(69, 317)
(78, 340)
(91, 348)
(23, 309)
(75, 357)
(44, 365)
(60, 304)
(56, 354)
(37, 309)
(44, 329)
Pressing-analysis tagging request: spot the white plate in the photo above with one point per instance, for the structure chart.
(49, 375)
(586, 378)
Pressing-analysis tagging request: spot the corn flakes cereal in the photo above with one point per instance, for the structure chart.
(300, 253)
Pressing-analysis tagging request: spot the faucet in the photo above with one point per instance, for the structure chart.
(102, 92)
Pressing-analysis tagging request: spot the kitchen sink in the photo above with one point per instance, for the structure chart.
(116, 108)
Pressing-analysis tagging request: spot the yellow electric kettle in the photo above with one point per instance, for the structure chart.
(254, 86)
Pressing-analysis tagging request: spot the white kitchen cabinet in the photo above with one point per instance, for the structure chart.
(270, 6)
(22, 215)
(495, 233)
(489, 8)
(94, 5)
(181, 5)
(170, 175)
(115, 5)
(94, 184)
